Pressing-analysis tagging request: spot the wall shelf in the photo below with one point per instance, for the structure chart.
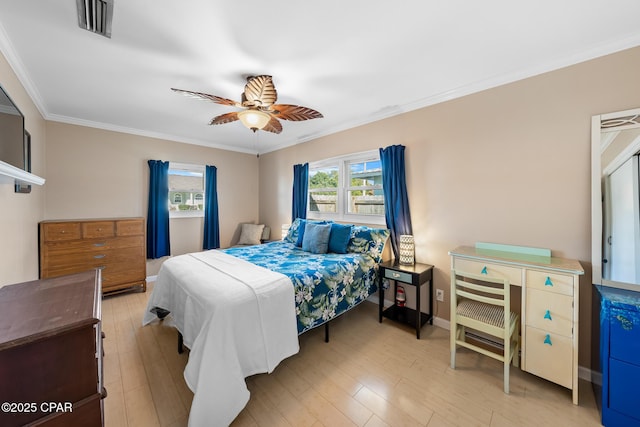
(9, 174)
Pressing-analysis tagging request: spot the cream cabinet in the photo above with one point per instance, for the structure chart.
(549, 316)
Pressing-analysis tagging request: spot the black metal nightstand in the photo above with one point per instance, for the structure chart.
(414, 275)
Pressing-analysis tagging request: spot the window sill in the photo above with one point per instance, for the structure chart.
(186, 214)
(350, 218)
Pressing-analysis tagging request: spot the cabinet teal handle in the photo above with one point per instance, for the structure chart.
(548, 282)
(547, 339)
(547, 315)
(484, 270)
(99, 256)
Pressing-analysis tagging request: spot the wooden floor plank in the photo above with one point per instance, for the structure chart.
(370, 374)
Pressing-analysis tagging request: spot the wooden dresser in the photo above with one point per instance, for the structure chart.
(549, 316)
(51, 352)
(116, 246)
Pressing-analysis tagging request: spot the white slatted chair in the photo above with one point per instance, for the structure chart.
(478, 302)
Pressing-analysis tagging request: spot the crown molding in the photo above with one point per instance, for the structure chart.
(12, 57)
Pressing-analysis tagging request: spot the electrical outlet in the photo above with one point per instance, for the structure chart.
(440, 294)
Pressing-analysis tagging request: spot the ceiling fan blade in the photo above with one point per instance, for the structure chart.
(207, 97)
(259, 92)
(294, 113)
(224, 118)
(273, 126)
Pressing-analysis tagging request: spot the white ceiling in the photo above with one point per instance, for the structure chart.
(354, 61)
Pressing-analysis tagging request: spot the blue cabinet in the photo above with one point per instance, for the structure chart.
(620, 356)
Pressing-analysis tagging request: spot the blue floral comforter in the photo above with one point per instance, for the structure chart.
(326, 285)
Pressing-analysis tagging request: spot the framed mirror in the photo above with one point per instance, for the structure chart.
(615, 199)
(22, 187)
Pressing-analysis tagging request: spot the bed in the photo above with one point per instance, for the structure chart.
(240, 310)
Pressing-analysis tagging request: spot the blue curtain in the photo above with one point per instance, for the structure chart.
(211, 224)
(300, 187)
(158, 210)
(396, 202)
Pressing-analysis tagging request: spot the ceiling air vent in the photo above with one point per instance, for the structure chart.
(95, 16)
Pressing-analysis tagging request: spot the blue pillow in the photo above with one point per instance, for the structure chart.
(301, 228)
(294, 229)
(316, 238)
(339, 238)
(368, 240)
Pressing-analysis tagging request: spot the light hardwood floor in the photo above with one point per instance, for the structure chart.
(369, 374)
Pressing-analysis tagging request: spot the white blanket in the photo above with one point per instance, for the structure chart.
(237, 318)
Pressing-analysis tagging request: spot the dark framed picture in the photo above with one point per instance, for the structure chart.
(22, 187)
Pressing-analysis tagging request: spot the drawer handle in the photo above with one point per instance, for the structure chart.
(548, 282)
(547, 339)
(547, 315)
(99, 256)
(484, 270)
(395, 275)
(102, 267)
(99, 245)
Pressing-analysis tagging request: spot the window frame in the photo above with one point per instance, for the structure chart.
(190, 168)
(342, 163)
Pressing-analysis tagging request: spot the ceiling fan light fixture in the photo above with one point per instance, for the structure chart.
(254, 119)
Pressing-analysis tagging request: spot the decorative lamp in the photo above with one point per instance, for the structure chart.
(285, 230)
(406, 249)
(254, 119)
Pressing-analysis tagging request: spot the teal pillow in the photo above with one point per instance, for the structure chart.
(339, 238)
(316, 238)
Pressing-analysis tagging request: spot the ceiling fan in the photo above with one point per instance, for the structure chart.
(260, 112)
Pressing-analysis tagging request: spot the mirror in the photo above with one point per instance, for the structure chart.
(615, 199)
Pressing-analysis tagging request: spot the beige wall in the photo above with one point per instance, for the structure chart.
(93, 173)
(508, 165)
(20, 213)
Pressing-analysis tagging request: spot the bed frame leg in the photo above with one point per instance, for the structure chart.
(180, 343)
(326, 332)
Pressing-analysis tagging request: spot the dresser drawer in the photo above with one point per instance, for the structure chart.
(490, 270)
(397, 275)
(625, 335)
(550, 312)
(133, 227)
(623, 397)
(552, 282)
(90, 245)
(97, 229)
(549, 356)
(115, 278)
(59, 231)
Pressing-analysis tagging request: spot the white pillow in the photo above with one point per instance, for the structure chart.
(251, 234)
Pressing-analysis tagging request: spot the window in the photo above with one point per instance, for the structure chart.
(186, 190)
(347, 188)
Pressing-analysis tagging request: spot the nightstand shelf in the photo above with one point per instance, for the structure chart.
(413, 275)
(405, 315)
